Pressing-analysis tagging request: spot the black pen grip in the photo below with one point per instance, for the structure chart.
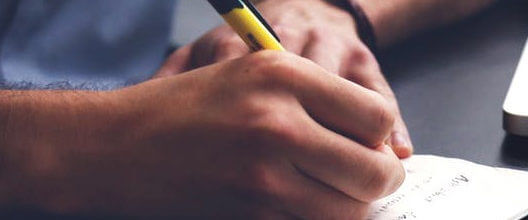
(225, 6)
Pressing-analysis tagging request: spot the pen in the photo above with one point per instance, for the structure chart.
(246, 20)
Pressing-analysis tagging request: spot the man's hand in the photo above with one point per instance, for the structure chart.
(313, 29)
(270, 135)
(257, 136)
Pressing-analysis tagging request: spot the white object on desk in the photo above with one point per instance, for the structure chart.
(444, 188)
(515, 110)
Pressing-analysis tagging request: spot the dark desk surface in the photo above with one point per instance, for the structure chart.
(451, 84)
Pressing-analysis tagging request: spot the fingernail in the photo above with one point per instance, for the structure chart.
(401, 145)
(398, 140)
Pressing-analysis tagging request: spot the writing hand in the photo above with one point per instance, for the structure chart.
(251, 137)
(318, 31)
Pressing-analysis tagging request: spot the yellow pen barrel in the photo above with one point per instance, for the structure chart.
(251, 30)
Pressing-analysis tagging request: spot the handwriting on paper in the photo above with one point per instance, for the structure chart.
(442, 188)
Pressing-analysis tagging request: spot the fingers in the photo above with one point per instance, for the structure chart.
(308, 198)
(223, 44)
(177, 63)
(336, 103)
(369, 75)
(219, 42)
(218, 45)
(343, 106)
(400, 140)
(331, 103)
(229, 47)
(316, 173)
(292, 39)
(346, 166)
(279, 190)
(325, 51)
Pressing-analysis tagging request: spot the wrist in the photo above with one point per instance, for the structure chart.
(146, 116)
(50, 134)
(394, 20)
(387, 27)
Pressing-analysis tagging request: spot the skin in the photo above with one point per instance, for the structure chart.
(270, 135)
(316, 30)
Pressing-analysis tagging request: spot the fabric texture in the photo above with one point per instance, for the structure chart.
(84, 44)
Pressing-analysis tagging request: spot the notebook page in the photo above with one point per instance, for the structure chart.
(443, 188)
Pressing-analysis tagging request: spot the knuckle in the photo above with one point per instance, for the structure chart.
(383, 119)
(360, 53)
(336, 40)
(273, 126)
(382, 87)
(318, 34)
(375, 185)
(385, 178)
(262, 181)
(265, 57)
(271, 58)
(275, 67)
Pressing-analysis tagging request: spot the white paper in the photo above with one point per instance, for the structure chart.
(444, 188)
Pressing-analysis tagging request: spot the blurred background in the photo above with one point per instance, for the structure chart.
(193, 18)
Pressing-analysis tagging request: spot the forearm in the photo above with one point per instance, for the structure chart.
(41, 132)
(394, 20)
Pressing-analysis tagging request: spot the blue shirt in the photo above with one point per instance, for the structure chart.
(87, 44)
